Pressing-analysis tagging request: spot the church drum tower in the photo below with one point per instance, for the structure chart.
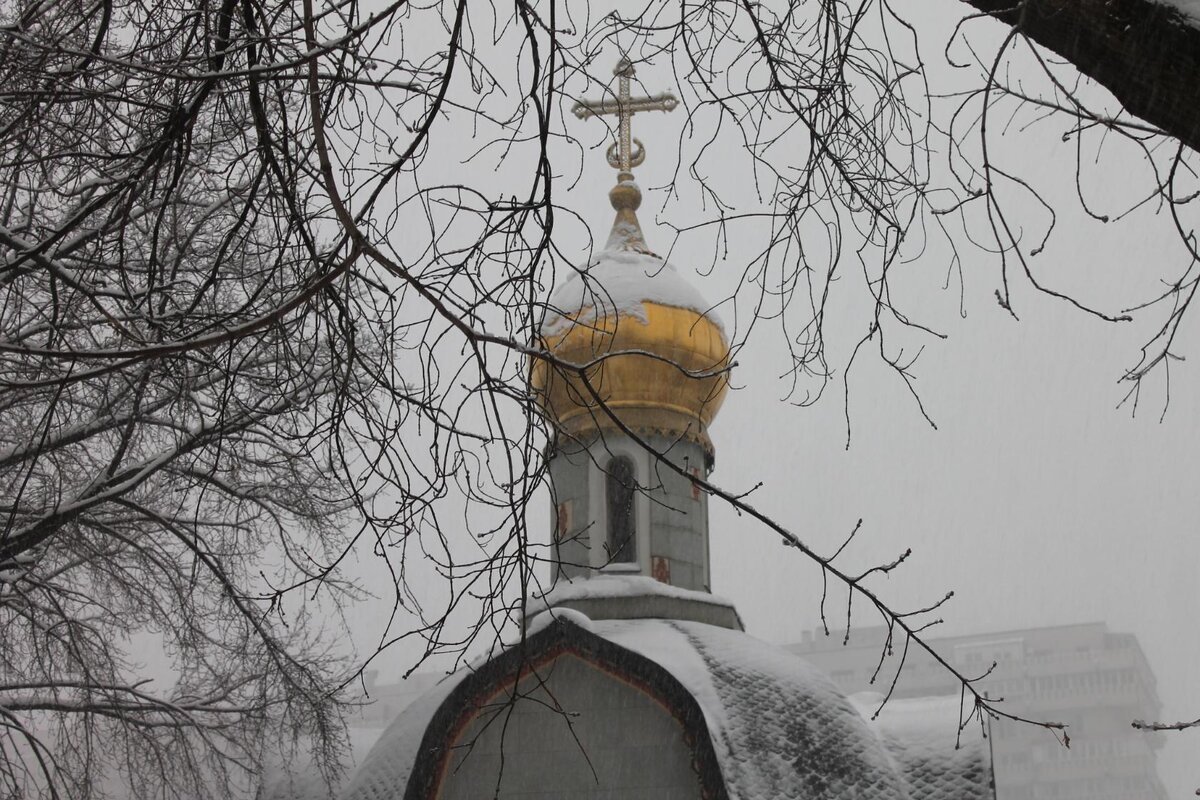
(631, 431)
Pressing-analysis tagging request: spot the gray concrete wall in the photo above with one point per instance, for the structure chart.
(634, 746)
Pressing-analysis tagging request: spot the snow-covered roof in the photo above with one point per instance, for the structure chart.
(618, 282)
(778, 727)
(388, 765)
(603, 586)
(942, 754)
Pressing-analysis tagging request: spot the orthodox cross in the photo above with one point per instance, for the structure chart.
(621, 154)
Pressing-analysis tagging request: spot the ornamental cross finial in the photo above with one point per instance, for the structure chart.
(621, 154)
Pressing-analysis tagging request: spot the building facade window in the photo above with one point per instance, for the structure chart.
(620, 496)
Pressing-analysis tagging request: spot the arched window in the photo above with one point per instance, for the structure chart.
(620, 493)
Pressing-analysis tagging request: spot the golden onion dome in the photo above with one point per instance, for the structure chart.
(655, 354)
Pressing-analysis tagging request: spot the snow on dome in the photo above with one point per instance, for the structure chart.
(618, 282)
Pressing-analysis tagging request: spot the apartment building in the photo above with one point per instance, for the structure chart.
(1093, 680)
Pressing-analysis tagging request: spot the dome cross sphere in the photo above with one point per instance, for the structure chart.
(621, 154)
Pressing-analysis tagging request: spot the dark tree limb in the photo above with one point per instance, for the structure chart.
(1145, 53)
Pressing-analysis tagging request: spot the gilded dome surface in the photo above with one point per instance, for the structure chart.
(654, 351)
